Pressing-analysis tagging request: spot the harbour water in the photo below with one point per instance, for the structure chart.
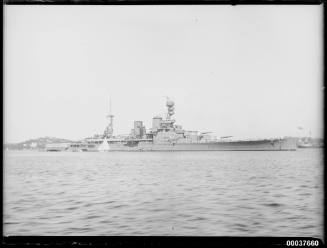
(272, 193)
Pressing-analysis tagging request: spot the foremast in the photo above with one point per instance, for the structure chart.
(108, 132)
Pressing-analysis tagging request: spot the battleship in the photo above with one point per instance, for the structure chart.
(165, 135)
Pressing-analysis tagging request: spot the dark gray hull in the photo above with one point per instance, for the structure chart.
(286, 144)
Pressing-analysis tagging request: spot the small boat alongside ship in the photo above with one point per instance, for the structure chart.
(309, 142)
(165, 135)
(304, 143)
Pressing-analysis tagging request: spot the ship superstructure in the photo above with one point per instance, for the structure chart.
(165, 135)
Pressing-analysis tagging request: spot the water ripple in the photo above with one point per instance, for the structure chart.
(182, 193)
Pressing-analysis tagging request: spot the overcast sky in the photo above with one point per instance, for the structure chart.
(246, 71)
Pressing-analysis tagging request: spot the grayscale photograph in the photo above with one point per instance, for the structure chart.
(163, 120)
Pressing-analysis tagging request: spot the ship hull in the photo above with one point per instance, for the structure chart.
(286, 144)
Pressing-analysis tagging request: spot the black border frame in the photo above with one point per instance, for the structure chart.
(161, 2)
(161, 241)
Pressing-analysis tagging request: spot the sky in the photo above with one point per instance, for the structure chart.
(247, 71)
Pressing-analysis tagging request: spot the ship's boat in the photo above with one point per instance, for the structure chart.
(165, 135)
(305, 143)
(56, 147)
